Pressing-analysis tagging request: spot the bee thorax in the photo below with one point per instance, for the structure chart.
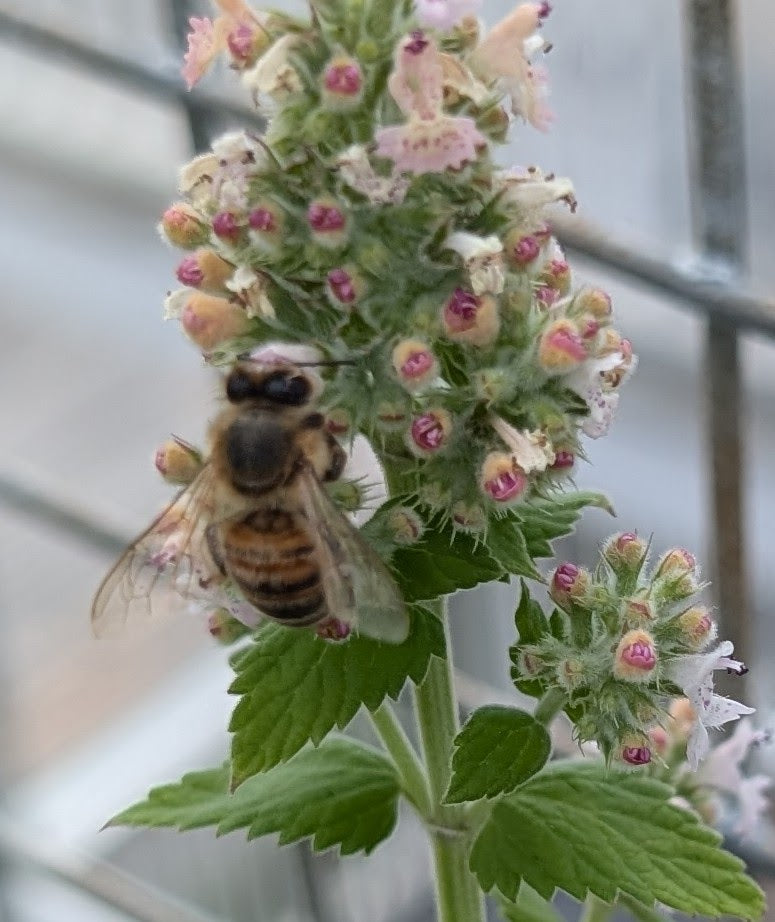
(258, 451)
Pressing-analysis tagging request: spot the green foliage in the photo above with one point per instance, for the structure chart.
(582, 829)
(295, 688)
(506, 542)
(341, 794)
(498, 749)
(442, 562)
(528, 907)
(544, 520)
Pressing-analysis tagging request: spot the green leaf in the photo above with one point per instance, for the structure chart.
(340, 794)
(582, 829)
(530, 619)
(529, 907)
(442, 562)
(544, 520)
(507, 545)
(497, 749)
(294, 687)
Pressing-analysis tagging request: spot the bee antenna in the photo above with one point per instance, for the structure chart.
(325, 362)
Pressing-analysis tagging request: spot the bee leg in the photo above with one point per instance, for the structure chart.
(338, 459)
(212, 534)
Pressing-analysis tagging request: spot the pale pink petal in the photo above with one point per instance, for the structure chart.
(204, 42)
(444, 14)
(430, 146)
(416, 83)
(501, 52)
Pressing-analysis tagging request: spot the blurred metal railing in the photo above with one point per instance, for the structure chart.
(713, 287)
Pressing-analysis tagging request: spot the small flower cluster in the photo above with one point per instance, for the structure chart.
(370, 222)
(623, 643)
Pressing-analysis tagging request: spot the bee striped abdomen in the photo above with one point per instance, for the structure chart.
(273, 561)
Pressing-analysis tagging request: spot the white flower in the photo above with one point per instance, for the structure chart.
(694, 674)
(444, 14)
(483, 259)
(722, 772)
(597, 381)
(356, 170)
(530, 190)
(196, 178)
(239, 156)
(251, 288)
(531, 450)
(273, 75)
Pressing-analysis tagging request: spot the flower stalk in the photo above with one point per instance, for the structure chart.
(457, 892)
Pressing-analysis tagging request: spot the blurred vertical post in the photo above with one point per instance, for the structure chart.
(717, 183)
(202, 124)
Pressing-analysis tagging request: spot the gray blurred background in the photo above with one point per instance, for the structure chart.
(92, 381)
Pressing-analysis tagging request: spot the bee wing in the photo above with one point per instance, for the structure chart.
(167, 566)
(358, 587)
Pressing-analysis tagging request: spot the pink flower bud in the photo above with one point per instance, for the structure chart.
(405, 525)
(209, 321)
(546, 296)
(343, 286)
(636, 755)
(262, 219)
(338, 421)
(429, 433)
(342, 83)
(469, 318)
(177, 461)
(322, 217)
(226, 226)
(522, 250)
(637, 611)
(589, 326)
(625, 551)
(544, 10)
(677, 562)
(189, 272)
(327, 222)
(502, 479)
(561, 347)
(246, 43)
(635, 658)
(469, 518)
(564, 461)
(214, 271)
(556, 275)
(697, 627)
(333, 629)
(414, 363)
(594, 301)
(184, 227)
(569, 584)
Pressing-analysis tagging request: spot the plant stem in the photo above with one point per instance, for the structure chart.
(596, 910)
(549, 706)
(414, 781)
(458, 896)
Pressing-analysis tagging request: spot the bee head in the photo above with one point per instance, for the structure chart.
(277, 385)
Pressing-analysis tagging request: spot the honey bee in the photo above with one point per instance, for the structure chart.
(256, 530)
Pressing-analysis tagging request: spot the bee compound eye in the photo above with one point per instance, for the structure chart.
(289, 390)
(240, 386)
